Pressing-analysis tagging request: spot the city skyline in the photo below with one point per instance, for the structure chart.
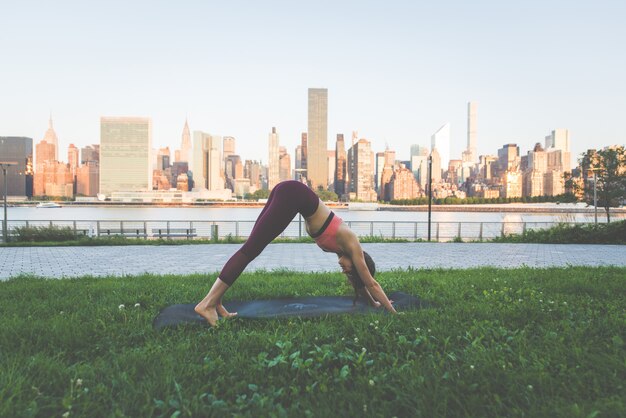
(239, 76)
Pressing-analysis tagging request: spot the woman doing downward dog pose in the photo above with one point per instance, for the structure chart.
(286, 200)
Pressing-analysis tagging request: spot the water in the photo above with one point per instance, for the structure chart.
(101, 213)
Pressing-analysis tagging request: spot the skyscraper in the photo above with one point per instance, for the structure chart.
(284, 164)
(441, 141)
(379, 165)
(229, 146)
(559, 139)
(419, 156)
(208, 164)
(317, 143)
(508, 158)
(361, 171)
(184, 154)
(303, 156)
(44, 152)
(340, 166)
(51, 138)
(331, 168)
(72, 157)
(273, 176)
(90, 153)
(557, 146)
(125, 144)
(19, 179)
(87, 179)
(470, 154)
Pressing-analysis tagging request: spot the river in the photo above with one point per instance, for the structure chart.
(513, 213)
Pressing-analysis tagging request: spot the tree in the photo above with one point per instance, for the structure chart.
(259, 194)
(609, 166)
(326, 195)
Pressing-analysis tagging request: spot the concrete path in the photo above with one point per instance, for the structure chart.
(60, 262)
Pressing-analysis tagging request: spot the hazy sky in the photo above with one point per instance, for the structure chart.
(395, 70)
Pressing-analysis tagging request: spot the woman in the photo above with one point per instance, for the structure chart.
(287, 200)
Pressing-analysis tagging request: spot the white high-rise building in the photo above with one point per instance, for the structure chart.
(207, 162)
(557, 146)
(440, 140)
(125, 146)
(559, 139)
(470, 155)
(273, 173)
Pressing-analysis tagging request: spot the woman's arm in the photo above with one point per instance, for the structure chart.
(374, 288)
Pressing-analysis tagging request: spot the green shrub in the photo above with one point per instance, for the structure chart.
(609, 233)
(44, 233)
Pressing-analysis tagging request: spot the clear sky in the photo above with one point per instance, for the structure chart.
(395, 70)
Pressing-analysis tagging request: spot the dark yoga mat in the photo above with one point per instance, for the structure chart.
(279, 308)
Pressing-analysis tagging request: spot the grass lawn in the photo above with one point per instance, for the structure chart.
(522, 342)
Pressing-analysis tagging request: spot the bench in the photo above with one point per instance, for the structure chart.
(174, 233)
(129, 233)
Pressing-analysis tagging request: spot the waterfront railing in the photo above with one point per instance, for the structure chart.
(224, 229)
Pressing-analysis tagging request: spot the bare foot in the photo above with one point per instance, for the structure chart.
(207, 312)
(221, 310)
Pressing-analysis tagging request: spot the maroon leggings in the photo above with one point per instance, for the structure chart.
(287, 199)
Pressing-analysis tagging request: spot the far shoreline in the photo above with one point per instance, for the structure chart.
(517, 207)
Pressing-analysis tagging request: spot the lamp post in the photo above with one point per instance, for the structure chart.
(5, 165)
(595, 199)
(430, 190)
(594, 170)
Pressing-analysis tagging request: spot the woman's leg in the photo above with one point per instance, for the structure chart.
(286, 200)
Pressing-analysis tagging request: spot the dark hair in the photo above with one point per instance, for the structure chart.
(354, 275)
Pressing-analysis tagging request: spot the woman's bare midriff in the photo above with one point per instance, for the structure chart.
(316, 221)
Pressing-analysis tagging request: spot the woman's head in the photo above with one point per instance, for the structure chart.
(353, 276)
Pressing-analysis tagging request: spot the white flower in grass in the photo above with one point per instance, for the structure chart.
(79, 382)
(530, 387)
(121, 307)
(356, 340)
(137, 305)
(472, 366)
(364, 349)
(371, 382)
(65, 415)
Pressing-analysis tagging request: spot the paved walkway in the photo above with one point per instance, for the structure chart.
(60, 262)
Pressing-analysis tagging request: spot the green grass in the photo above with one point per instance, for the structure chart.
(520, 342)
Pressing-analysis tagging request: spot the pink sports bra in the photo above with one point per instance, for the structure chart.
(326, 237)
